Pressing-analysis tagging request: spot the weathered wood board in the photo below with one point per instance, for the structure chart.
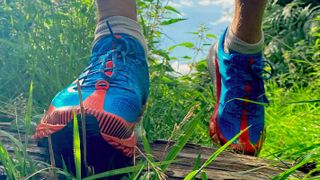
(228, 165)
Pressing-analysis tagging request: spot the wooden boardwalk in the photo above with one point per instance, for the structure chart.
(228, 165)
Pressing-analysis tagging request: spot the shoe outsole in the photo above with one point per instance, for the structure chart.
(101, 155)
(115, 130)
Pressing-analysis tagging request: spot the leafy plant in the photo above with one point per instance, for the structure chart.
(288, 28)
(49, 43)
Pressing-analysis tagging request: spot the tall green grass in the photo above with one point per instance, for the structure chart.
(21, 165)
(49, 42)
(43, 41)
(293, 130)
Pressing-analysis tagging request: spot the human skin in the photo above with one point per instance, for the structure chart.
(247, 20)
(108, 8)
(246, 23)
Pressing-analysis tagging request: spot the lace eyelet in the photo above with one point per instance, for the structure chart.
(108, 73)
(109, 65)
(102, 85)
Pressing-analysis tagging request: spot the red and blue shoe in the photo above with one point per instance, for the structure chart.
(240, 97)
(114, 88)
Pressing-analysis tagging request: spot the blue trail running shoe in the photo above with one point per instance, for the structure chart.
(240, 94)
(114, 88)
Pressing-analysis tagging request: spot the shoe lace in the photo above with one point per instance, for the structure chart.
(101, 69)
(257, 72)
(264, 71)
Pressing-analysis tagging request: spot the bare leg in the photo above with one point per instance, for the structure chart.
(247, 20)
(108, 8)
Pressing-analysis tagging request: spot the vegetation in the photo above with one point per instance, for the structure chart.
(40, 39)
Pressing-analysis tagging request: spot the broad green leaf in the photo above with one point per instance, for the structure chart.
(172, 21)
(211, 36)
(170, 8)
(186, 57)
(184, 44)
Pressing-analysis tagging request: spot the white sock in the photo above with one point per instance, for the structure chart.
(233, 43)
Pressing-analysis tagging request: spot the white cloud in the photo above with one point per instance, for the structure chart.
(196, 3)
(224, 3)
(181, 3)
(224, 19)
(181, 68)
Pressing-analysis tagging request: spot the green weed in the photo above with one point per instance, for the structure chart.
(49, 42)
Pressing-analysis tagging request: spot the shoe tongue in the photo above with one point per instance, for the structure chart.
(105, 52)
(248, 64)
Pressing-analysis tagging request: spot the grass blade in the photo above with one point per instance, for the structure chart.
(192, 174)
(84, 131)
(204, 176)
(137, 174)
(288, 172)
(146, 145)
(197, 162)
(76, 146)
(188, 130)
(156, 169)
(125, 170)
(7, 163)
(249, 101)
(28, 115)
(27, 128)
(52, 158)
(12, 139)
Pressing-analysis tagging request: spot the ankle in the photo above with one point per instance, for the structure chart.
(109, 8)
(235, 43)
(249, 34)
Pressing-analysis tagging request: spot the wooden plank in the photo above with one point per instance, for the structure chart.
(228, 165)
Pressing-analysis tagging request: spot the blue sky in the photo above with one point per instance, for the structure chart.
(215, 14)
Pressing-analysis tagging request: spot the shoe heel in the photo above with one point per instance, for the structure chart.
(211, 63)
